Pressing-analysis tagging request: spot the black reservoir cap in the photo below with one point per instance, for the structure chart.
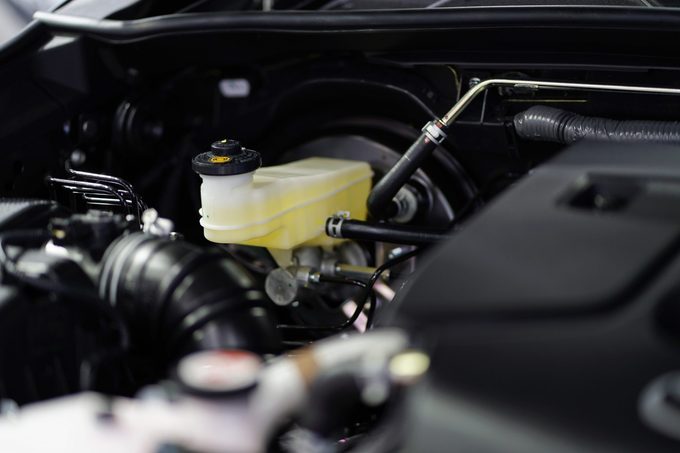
(226, 157)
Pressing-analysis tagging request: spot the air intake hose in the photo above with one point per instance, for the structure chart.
(178, 298)
(550, 124)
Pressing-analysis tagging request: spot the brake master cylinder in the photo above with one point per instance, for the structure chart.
(279, 207)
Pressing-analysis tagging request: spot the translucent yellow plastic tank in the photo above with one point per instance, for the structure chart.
(285, 206)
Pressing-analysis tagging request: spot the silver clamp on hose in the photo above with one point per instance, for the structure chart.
(334, 224)
(434, 132)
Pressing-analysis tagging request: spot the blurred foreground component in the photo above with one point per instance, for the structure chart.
(243, 416)
(560, 299)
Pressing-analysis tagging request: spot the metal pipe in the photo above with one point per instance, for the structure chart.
(478, 89)
(96, 177)
(380, 200)
(361, 273)
(72, 184)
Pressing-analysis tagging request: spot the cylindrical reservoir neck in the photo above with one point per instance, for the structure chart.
(228, 182)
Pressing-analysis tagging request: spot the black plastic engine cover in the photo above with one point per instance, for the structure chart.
(552, 310)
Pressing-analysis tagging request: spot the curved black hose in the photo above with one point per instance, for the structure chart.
(550, 124)
(360, 21)
(378, 272)
(350, 321)
(178, 298)
(380, 204)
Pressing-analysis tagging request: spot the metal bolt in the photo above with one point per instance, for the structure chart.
(474, 81)
(77, 157)
(394, 253)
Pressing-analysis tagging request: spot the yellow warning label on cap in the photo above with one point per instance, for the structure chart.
(220, 159)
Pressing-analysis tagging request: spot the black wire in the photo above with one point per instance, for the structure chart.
(342, 280)
(368, 295)
(376, 275)
(350, 321)
(372, 307)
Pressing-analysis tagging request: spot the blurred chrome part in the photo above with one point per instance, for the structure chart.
(482, 86)
(154, 224)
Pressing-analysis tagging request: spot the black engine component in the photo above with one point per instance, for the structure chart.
(179, 298)
(548, 304)
(159, 299)
(53, 334)
(97, 229)
(550, 318)
(24, 213)
(51, 341)
(556, 125)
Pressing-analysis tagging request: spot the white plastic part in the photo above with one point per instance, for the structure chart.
(244, 424)
(284, 206)
(234, 88)
(219, 370)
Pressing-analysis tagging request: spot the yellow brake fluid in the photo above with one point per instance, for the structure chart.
(279, 207)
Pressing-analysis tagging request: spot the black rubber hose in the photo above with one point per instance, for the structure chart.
(595, 17)
(382, 232)
(178, 298)
(380, 204)
(550, 124)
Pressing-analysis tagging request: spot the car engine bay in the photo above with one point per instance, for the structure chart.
(329, 226)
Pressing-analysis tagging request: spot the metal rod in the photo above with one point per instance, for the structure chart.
(79, 185)
(380, 202)
(127, 187)
(481, 87)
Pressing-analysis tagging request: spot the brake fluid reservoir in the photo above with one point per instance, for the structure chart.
(278, 207)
